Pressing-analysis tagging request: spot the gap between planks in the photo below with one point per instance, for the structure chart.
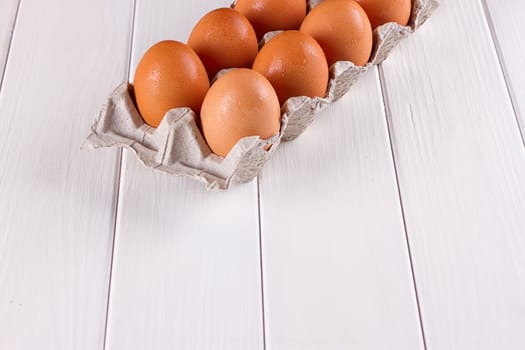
(503, 67)
(261, 269)
(9, 44)
(386, 106)
(118, 185)
(116, 201)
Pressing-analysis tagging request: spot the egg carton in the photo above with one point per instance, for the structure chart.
(177, 146)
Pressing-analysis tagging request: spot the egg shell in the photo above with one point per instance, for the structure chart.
(169, 75)
(270, 15)
(295, 65)
(384, 11)
(224, 38)
(240, 103)
(343, 30)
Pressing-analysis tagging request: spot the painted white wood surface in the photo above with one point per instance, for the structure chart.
(57, 202)
(7, 21)
(335, 261)
(186, 271)
(506, 20)
(462, 178)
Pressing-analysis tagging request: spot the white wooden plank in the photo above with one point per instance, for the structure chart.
(7, 21)
(57, 203)
(335, 261)
(186, 273)
(462, 178)
(506, 21)
(186, 263)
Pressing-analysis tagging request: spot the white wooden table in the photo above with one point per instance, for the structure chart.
(397, 221)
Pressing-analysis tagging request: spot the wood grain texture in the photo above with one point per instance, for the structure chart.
(186, 263)
(57, 202)
(335, 261)
(186, 272)
(8, 10)
(506, 21)
(462, 178)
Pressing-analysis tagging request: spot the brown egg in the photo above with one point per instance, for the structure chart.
(295, 65)
(343, 30)
(384, 11)
(170, 75)
(224, 38)
(270, 15)
(240, 103)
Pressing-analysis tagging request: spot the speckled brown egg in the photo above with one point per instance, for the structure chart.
(240, 103)
(169, 75)
(383, 11)
(295, 65)
(224, 38)
(270, 15)
(343, 30)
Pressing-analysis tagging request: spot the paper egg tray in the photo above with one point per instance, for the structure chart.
(177, 146)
